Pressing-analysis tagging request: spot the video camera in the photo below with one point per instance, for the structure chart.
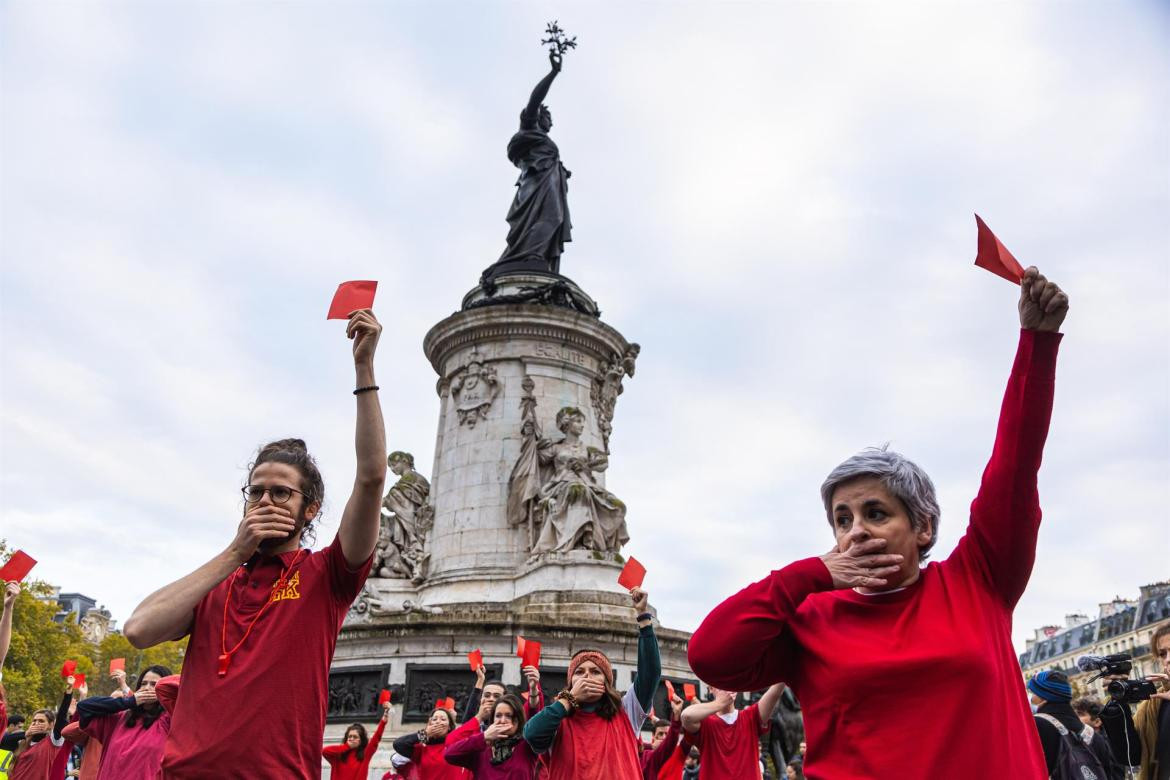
(1122, 691)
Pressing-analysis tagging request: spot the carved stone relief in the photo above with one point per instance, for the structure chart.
(426, 684)
(554, 492)
(407, 519)
(607, 386)
(353, 694)
(473, 390)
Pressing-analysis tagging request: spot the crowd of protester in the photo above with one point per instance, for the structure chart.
(881, 649)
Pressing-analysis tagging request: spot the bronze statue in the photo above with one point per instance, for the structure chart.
(538, 221)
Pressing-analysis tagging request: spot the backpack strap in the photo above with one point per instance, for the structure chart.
(1056, 723)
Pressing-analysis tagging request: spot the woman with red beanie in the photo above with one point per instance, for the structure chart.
(590, 730)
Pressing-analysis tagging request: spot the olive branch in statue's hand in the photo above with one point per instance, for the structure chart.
(557, 42)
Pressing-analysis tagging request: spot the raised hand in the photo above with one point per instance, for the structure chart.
(480, 676)
(587, 690)
(862, 566)
(386, 710)
(1043, 305)
(261, 522)
(494, 732)
(11, 590)
(532, 675)
(365, 330)
(641, 600)
(555, 60)
(144, 697)
(676, 707)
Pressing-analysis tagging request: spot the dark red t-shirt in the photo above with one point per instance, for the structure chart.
(731, 751)
(266, 717)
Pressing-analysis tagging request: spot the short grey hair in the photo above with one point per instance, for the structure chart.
(899, 475)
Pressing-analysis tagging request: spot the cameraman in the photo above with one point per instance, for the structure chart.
(1051, 694)
(1148, 730)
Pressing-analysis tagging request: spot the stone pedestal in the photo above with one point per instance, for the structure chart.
(482, 585)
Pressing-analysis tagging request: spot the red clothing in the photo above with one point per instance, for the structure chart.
(589, 747)
(653, 759)
(674, 766)
(731, 751)
(266, 716)
(42, 761)
(890, 684)
(429, 763)
(132, 753)
(474, 754)
(344, 763)
(91, 751)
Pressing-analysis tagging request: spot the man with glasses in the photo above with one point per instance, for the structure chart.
(263, 615)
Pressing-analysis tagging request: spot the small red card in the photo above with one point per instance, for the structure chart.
(669, 690)
(68, 668)
(475, 658)
(689, 691)
(78, 679)
(448, 703)
(993, 256)
(17, 567)
(117, 665)
(383, 697)
(350, 297)
(528, 650)
(632, 575)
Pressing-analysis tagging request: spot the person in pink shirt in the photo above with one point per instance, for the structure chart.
(133, 729)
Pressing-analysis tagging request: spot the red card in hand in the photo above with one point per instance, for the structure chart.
(68, 668)
(475, 658)
(632, 575)
(350, 297)
(448, 703)
(17, 567)
(78, 679)
(117, 665)
(383, 697)
(689, 691)
(669, 690)
(993, 256)
(438, 704)
(528, 650)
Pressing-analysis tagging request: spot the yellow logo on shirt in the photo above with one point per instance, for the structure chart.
(289, 591)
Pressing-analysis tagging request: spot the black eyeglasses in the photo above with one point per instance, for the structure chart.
(278, 493)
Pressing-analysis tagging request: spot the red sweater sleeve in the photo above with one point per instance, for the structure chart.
(742, 645)
(333, 753)
(375, 740)
(1005, 515)
(531, 709)
(660, 754)
(167, 690)
(463, 752)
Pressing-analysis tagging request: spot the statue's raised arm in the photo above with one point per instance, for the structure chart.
(531, 114)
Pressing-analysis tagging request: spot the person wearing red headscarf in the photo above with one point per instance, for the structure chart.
(590, 730)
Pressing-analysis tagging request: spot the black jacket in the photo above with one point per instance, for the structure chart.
(1050, 739)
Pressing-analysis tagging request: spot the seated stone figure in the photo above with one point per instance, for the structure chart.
(555, 486)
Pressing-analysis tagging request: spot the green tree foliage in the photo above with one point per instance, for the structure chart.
(32, 671)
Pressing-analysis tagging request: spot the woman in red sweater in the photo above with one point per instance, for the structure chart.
(499, 752)
(425, 748)
(351, 759)
(887, 657)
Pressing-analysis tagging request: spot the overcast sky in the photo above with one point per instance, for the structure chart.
(774, 199)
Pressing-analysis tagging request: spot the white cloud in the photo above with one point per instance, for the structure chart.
(775, 200)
